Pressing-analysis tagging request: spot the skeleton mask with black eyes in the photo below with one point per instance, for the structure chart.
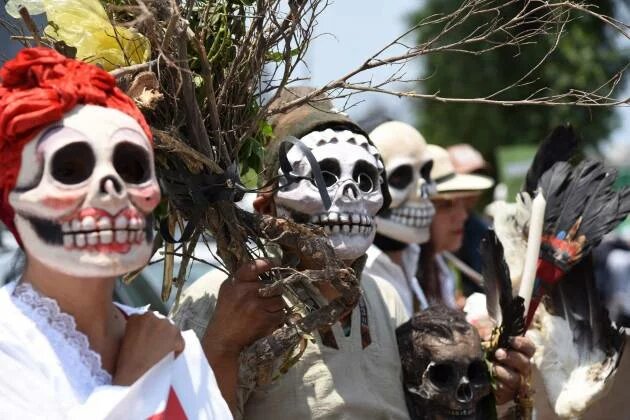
(444, 372)
(85, 192)
(403, 150)
(352, 171)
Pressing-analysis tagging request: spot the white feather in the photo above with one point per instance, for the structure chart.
(573, 383)
(511, 224)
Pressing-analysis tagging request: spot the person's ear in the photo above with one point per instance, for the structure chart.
(264, 203)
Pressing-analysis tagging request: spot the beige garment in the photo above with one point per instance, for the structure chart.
(403, 278)
(345, 383)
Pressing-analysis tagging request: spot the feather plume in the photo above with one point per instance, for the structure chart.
(507, 311)
(559, 146)
(581, 208)
(578, 347)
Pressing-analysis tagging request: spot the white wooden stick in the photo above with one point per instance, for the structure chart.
(533, 248)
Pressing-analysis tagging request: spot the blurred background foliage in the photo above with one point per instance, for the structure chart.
(586, 56)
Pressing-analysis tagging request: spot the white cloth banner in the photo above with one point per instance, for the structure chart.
(174, 389)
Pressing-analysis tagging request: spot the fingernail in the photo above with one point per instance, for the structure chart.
(500, 354)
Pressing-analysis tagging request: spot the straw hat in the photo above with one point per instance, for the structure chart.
(449, 182)
(466, 158)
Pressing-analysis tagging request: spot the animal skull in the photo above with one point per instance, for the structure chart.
(444, 370)
(85, 192)
(352, 171)
(403, 149)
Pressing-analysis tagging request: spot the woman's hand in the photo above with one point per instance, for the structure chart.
(512, 366)
(148, 338)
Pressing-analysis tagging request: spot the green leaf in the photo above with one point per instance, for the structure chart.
(274, 56)
(250, 178)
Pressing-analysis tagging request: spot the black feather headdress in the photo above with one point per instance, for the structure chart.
(582, 207)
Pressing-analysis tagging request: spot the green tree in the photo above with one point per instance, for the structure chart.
(586, 57)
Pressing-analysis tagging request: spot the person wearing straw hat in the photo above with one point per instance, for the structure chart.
(447, 228)
(468, 160)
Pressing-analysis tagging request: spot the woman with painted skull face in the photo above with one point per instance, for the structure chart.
(352, 369)
(77, 188)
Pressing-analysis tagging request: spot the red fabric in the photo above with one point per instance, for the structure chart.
(548, 272)
(173, 410)
(39, 86)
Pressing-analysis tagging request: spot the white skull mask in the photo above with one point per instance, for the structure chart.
(409, 216)
(352, 171)
(85, 192)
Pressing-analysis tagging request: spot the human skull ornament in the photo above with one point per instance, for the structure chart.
(352, 170)
(85, 192)
(402, 147)
(445, 375)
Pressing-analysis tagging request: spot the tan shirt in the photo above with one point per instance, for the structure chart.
(346, 383)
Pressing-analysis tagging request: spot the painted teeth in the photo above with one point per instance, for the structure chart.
(92, 238)
(121, 236)
(415, 217)
(79, 240)
(104, 223)
(90, 231)
(347, 223)
(68, 241)
(134, 223)
(106, 237)
(88, 224)
(120, 222)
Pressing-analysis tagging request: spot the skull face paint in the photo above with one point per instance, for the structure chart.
(444, 370)
(403, 150)
(85, 193)
(352, 170)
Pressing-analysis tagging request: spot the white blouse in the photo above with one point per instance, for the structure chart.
(48, 370)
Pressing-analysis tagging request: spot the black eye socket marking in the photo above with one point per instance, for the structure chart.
(400, 177)
(425, 170)
(132, 163)
(73, 163)
(331, 171)
(366, 175)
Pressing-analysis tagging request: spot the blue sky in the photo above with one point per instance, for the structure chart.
(362, 27)
(352, 30)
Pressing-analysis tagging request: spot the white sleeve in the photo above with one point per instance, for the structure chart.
(182, 387)
(24, 391)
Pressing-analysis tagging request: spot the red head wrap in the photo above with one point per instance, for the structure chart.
(38, 87)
